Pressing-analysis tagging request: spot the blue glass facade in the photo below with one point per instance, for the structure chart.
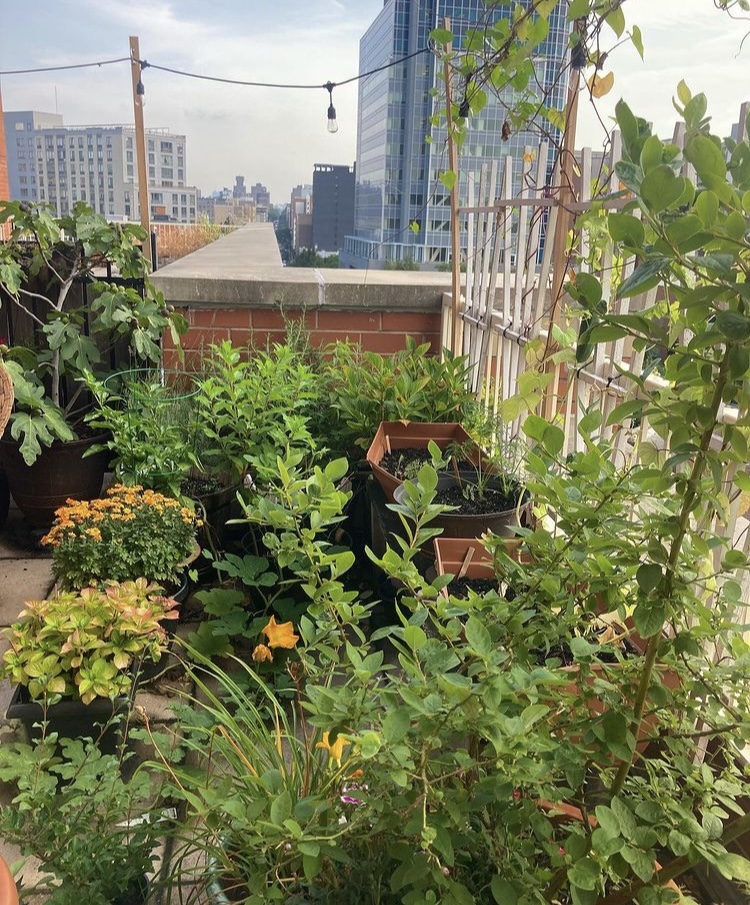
(397, 169)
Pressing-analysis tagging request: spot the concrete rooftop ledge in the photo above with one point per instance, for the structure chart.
(244, 268)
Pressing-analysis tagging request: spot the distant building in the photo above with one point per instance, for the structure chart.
(333, 206)
(227, 209)
(4, 185)
(738, 129)
(239, 190)
(61, 165)
(260, 195)
(397, 182)
(300, 217)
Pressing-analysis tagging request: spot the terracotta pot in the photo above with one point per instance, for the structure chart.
(8, 891)
(467, 557)
(60, 472)
(393, 435)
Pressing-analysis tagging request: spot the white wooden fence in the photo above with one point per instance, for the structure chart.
(508, 314)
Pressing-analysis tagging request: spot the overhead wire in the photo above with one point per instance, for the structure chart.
(144, 64)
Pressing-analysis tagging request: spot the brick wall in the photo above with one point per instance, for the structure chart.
(377, 331)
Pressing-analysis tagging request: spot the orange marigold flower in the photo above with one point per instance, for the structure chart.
(280, 635)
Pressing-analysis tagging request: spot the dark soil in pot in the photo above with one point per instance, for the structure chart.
(405, 463)
(460, 587)
(470, 500)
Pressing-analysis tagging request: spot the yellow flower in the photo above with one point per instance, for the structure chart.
(262, 653)
(95, 533)
(335, 750)
(280, 635)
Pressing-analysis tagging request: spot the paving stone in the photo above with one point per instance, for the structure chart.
(20, 580)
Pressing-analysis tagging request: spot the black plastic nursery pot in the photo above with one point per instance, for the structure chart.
(501, 522)
(136, 894)
(71, 719)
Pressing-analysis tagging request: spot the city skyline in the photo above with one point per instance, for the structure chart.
(276, 136)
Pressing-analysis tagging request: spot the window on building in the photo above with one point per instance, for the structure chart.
(19, 127)
(152, 158)
(152, 172)
(165, 146)
(128, 142)
(151, 144)
(166, 173)
(130, 169)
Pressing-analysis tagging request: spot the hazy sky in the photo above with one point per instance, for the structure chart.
(275, 136)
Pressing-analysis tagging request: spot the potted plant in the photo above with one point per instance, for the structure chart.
(74, 656)
(412, 385)
(151, 427)
(400, 448)
(129, 533)
(94, 832)
(468, 562)
(71, 317)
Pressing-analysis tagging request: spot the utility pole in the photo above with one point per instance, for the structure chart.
(455, 237)
(140, 146)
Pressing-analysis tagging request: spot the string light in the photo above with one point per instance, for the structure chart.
(141, 91)
(333, 126)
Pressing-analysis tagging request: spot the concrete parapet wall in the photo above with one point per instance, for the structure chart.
(237, 289)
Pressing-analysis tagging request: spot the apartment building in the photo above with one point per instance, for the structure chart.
(62, 165)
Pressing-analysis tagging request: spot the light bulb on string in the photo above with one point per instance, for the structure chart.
(333, 126)
(140, 94)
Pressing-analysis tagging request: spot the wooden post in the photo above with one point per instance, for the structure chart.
(563, 226)
(455, 235)
(140, 148)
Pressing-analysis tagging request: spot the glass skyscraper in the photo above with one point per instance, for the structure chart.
(397, 169)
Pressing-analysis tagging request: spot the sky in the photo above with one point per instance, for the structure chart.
(275, 136)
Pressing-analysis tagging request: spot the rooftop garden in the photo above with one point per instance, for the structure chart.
(421, 656)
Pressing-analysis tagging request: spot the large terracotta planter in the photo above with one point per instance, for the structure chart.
(8, 891)
(60, 472)
(392, 435)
